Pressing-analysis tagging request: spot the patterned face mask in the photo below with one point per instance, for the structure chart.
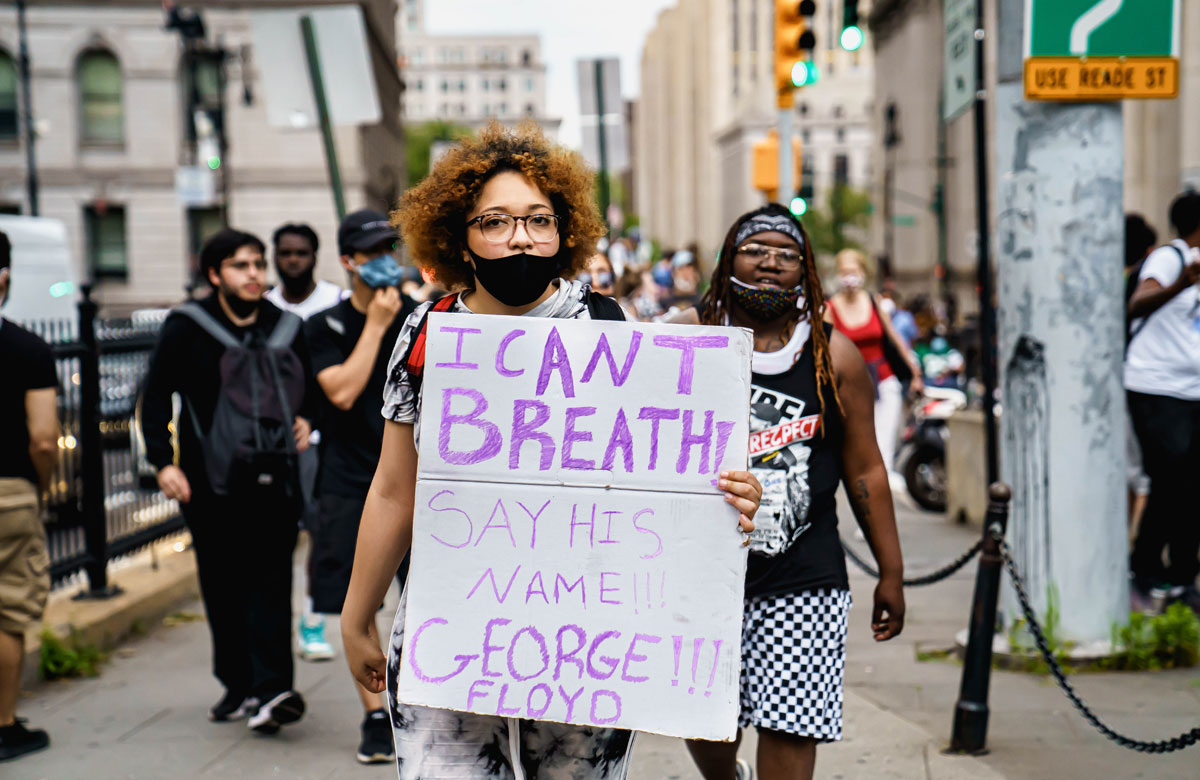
(766, 303)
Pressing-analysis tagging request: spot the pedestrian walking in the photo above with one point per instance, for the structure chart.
(350, 344)
(1162, 379)
(241, 369)
(855, 312)
(294, 247)
(797, 591)
(502, 215)
(28, 456)
(1140, 240)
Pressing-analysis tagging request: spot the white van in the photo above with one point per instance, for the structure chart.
(44, 281)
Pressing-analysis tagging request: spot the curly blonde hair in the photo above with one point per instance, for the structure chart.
(432, 216)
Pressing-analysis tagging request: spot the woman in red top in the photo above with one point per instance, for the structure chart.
(856, 313)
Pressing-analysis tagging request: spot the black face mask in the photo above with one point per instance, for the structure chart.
(516, 280)
(240, 307)
(296, 285)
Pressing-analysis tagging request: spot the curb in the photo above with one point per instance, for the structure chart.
(153, 583)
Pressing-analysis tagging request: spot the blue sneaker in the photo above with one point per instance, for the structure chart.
(313, 646)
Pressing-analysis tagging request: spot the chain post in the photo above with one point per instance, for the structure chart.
(969, 734)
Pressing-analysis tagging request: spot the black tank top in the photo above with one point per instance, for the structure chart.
(795, 546)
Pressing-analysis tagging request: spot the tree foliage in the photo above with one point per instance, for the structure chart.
(838, 225)
(419, 141)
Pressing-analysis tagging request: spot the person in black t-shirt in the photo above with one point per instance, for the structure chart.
(28, 455)
(243, 543)
(350, 344)
(812, 427)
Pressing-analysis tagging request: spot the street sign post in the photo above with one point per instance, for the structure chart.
(959, 52)
(1097, 50)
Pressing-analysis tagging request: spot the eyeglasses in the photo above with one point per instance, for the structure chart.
(602, 279)
(498, 227)
(787, 258)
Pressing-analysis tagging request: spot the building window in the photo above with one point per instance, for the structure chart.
(9, 122)
(837, 112)
(526, 57)
(529, 85)
(445, 86)
(841, 170)
(804, 109)
(529, 109)
(462, 86)
(487, 109)
(841, 135)
(420, 85)
(485, 85)
(806, 136)
(105, 228)
(502, 109)
(202, 224)
(102, 119)
(503, 85)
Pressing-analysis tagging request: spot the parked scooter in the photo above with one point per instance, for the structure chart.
(922, 454)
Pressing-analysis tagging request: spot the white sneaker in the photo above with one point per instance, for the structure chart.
(287, 707)
(311, 639)
(744, 772)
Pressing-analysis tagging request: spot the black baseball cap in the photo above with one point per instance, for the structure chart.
(363, 229)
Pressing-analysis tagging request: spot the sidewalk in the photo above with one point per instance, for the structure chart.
(146, 716)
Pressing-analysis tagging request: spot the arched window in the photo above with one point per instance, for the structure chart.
(9, 126)
(101, 117)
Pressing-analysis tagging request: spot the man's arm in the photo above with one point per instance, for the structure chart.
(345, 382)
(1155, 291)
(41, 415)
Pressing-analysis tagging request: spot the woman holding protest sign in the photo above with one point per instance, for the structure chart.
(502, 216)
(811, 423)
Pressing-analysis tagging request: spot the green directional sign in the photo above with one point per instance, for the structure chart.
(1102, 28)
(1092, 50)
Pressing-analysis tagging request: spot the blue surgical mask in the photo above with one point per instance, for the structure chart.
(382, 271)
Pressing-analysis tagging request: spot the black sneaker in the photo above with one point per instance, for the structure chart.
(287, 707)
(376, 746)
(16, 740)
(233, 706)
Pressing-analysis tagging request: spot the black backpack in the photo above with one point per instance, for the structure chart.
(600, 307)
(250, 451)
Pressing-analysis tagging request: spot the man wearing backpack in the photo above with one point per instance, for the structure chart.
(350, 345)
(241, 369)
(1162, 377)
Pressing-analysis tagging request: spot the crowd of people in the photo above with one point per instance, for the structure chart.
(299, 404)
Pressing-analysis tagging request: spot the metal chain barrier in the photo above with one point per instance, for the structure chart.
(1184, 740)
(924, 579)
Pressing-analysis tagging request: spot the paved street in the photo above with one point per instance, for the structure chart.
(145, 716)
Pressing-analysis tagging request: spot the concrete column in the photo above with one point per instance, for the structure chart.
(1058, 250)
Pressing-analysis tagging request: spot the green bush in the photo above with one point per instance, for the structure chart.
(1167, 641)
(72, 657)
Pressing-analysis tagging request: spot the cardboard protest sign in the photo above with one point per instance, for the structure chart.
(573, 559)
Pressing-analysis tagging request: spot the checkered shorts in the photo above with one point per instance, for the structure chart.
(793, 659)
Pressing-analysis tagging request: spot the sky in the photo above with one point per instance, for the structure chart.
(569, 29)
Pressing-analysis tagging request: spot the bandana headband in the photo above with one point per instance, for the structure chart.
(769, 223)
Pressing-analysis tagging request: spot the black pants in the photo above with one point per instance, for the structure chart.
(244, 558)
(1168, 431)
(334, 534)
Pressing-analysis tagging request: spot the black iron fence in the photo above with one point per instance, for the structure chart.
(104, 501)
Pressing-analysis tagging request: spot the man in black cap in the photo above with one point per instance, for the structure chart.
(350, 345)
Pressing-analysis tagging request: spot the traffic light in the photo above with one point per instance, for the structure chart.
(764, 168)
(794, 44)
(852, 34)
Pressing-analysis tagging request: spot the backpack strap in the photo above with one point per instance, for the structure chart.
(208, 323)
(284, 331)
(601, 307)
(414, 359)
(1133, 331)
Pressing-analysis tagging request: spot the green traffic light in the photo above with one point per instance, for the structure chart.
(805, 73)
(852, 38)
(214, 162)
(799, 206)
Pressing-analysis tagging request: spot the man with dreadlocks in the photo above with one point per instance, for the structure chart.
(812, 424)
